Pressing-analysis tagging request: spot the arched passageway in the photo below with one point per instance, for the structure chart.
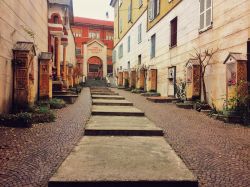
(95, 67)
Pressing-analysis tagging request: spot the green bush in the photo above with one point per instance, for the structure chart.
(57, 103)
(16, 120)
(43, 117)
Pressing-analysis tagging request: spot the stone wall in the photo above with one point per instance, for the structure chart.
(16, 16)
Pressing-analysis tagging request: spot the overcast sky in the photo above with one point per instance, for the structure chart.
(93, 9)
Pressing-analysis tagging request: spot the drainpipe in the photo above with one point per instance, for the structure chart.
(248, 64)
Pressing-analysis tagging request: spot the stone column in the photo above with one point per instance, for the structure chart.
(57, 57)
(64, 62)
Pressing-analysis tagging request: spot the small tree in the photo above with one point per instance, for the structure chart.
(204, 59)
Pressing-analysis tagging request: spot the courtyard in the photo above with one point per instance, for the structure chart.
(216, 153)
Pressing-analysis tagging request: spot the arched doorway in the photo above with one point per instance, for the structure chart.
(95, 67)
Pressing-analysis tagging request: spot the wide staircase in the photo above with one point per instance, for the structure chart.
(121, 148)
(95, 83)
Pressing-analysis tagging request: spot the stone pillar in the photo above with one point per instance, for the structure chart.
(120, 78)
(57, 57)
(64, 62)
(132, 79)
(125, 79)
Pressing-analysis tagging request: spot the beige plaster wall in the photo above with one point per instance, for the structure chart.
(15, 15)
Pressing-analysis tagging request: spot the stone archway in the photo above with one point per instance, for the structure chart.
(95, 53)
(95, 67)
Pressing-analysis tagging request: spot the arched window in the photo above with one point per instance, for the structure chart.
(56, 19)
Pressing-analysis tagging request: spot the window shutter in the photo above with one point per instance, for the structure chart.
(130, 12)
(139, 33)
(208, 12)
(150, 10)
(158, 7)
(202, 14)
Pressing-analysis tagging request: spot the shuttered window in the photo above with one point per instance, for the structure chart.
(152, 51)
(173, 32)
(130, 12)
(139, 33)
(153, 9)
(128, 44)
(205, 14)
(120, 52)
(140, 2)
(120, 25)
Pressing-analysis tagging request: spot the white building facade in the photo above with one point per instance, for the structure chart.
(222, 26)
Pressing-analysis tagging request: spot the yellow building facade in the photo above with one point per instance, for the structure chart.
(127, 12)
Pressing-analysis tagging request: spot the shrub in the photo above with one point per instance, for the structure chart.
(43, 117)
(16, 120)
(57, 103)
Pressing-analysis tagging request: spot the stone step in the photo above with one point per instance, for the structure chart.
(121, 126)
(104, 93)
(119, 161)
(117, 97)
(161, 99)
(70, 99)
(109, 102)
(116, 111)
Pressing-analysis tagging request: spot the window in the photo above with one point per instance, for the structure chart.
(128, 65)
(109, 36)
(139, 59)
(56, 19)
(152, 51)
(78, 51)
(130, 12)
(153, 9)
(120, 25)
(140, 3)
(94, 34)
(114, 56)
(128, 44)
(77, 33)
(205, 14)
(120, 52)
(139, 33)
(120, 2)
(173, 32)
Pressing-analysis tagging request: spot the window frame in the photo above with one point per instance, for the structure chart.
(120, 51)
(173, 35)
(140, 33)
(129, 44)
(206, 27)
(153, 46)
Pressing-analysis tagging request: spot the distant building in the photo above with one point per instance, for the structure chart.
(162, 35)
(94, 45)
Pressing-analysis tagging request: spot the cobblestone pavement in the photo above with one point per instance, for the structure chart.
(217, 153)
(29, 157)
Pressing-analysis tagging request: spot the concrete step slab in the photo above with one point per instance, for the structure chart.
(161, 99)
(116, 111)
(107, 97)
(104, 93)
(114, 161)
(121, 126)
(110, 102)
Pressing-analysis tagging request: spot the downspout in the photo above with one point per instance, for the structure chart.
(248, 64)
(38, 89)
(13, 83)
